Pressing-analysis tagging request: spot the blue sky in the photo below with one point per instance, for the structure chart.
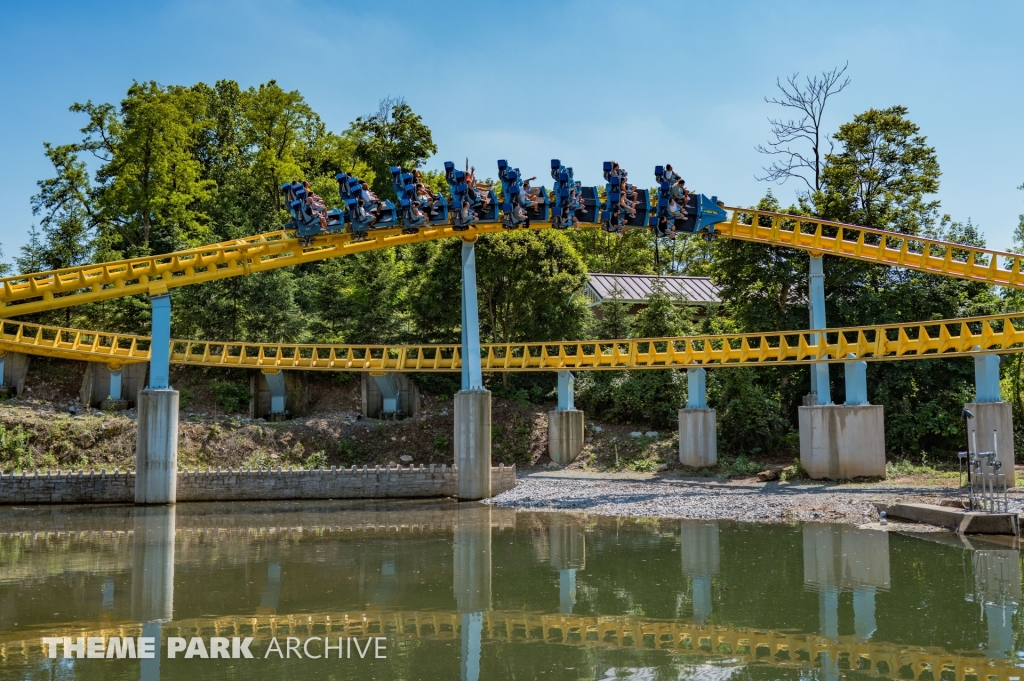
(641, 82)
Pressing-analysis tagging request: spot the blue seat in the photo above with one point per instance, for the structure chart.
(515, 203)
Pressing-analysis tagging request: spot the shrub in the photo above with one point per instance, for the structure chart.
(15, 452)
(228, 396)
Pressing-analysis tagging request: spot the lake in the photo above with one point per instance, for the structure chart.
(440, 590)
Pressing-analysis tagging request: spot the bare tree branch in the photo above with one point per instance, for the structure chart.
(808, 101)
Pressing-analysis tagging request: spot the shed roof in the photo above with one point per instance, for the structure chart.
(637, 288)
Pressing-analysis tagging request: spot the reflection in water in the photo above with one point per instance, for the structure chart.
(567, 550)
(271, 590)
(468, 591)
(472, 546)
(153, 577)
(700, 555)
(997, 589)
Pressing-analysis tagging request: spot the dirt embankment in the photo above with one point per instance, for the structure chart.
(38, 430)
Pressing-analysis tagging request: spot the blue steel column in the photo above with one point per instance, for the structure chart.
(986, 378)
(819, 372)
(160, 347)
(696, 389)
(566, 391)
(856, 382)
(472, 374)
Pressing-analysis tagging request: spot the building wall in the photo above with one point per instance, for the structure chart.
(237, 485)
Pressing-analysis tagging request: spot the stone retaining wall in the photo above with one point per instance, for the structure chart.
(101, 487)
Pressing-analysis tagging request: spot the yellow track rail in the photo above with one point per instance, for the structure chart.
(742, 645)
(919, 340)
(28, 293)
(874, 245)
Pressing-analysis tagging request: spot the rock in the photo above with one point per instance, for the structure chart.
(636, 433)
(86, 440)
(651, 433)
(662, 467)
(598, 429)
(552, 465)
(772, 473)
(405, 458)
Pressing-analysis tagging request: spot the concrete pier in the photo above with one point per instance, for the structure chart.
(842, 442)
(993, 421)
(276, 396)
(156, 447)
(698, 437)
(473, 443)
(100, 387)
(565, 435)
(13, 370)
(404, 392)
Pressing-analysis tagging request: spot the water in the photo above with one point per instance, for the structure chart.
(468, 592)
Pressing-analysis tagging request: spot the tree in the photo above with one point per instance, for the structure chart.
(149, 184)
(808, 101)
(882, 174)
(615, 321)
(393, 136)
(628, 253)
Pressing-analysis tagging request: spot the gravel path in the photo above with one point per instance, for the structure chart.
(692, 498)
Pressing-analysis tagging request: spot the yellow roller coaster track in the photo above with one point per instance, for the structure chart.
(740, 644)
(918, 340)
(28, 293)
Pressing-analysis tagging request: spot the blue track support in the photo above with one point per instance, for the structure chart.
(389, 392)
(696, 389)
(115, 384)
(3, 369)
(566, 590)
(160, 347)
(986, 378)
(472, 374)
(472, 641)
(816, 300)
(275, 381)
(856, 383)
(566, 391)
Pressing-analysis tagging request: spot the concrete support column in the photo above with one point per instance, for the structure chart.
(156, 444)
(473, 402)
(816, 307)
(13, 370)
(992, 431)
(565, 424)
(698, 433)
(473, 443)
(842, 442)
(156, 448)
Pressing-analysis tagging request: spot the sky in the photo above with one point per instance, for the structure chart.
(643, 83)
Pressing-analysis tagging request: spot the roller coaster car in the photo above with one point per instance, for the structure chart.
(572, 202)
(305, 221)
(461, 218)
(416, 211)
(362, 218)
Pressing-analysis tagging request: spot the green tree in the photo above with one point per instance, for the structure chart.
(628, 253)
(148, 189)
(393, 136)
